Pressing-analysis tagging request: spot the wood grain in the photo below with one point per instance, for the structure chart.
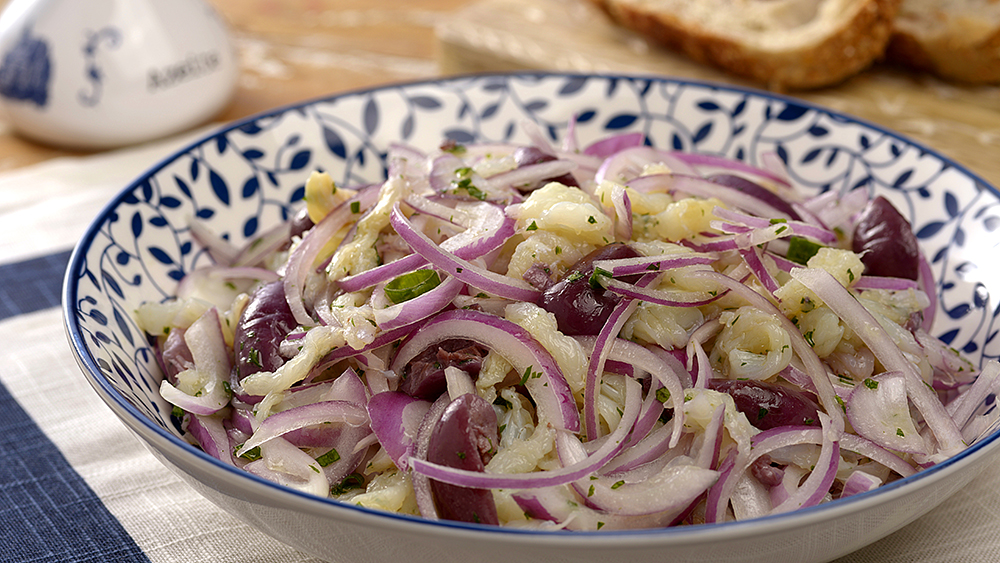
(960, 122)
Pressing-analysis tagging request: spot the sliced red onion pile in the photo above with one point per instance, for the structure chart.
(588, 337)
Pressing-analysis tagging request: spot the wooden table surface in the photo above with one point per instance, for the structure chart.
(292, 50)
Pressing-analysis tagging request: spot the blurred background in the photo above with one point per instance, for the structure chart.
(291, 50)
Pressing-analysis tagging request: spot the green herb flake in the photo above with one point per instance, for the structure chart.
(352, 481)
(532, 227)
(899, 432)
(252, 454)
(800, 250)
(595, 278)
(591, 219)
(663, 394)
(527, 374)
(617, 484)
(871, 383)
(355, 207)
(328, 458)
(412, 284)
(253, 356)
(761, 413)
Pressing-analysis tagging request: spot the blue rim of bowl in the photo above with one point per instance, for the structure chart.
(798, 517)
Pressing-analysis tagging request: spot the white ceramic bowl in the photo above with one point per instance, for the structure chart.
(246, 177)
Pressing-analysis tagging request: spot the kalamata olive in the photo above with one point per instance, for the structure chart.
(266, 321)
(300, 223)
(464, 438)
(767, 474)
(175, 354)
(754, 189)
(768, 405)
(885, 241)
(579, 306)
(524, 156)
(423, 377)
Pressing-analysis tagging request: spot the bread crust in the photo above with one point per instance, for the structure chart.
(841, 54)
(949, 57)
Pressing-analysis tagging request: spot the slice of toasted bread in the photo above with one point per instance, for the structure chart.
(783, 44)
(954, 39)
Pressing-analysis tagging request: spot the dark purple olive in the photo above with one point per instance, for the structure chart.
(423, 377)
(464, 438)
(755, 190)
(524, 156)
(175, 354)
(885, 241)
(266, 321)
(768, 405)
(580, 307)
(300, 223)
(765, 472)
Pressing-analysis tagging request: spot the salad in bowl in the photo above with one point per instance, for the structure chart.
(607, 336)
(544, 316)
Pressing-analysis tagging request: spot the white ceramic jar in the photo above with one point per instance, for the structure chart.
(106, 73)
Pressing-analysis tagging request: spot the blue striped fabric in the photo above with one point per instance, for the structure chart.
(31, 285)
(49, 513)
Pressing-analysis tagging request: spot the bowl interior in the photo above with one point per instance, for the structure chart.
(247, 177)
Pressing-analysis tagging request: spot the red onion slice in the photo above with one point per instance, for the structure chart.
(530, 174)
(287, 465)
(800, 228)
(481, 278)
(645, 264)
(725, 163)
(861, 321)
(602, 347)
(326, 412)
(754, 258)
(212, 437)
(515, 344)
(859, 482)
(703, 188)
(538, 479)
(221, 250)
(213, 365)
(815, 487)
(879, 410)
(302, 259)
(814, 367)
(420, 307)
(395, 420)
(608, 146)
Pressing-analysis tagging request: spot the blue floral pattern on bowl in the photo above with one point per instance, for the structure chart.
(249, 176)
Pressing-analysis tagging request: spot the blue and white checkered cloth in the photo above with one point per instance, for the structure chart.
(76, 486)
